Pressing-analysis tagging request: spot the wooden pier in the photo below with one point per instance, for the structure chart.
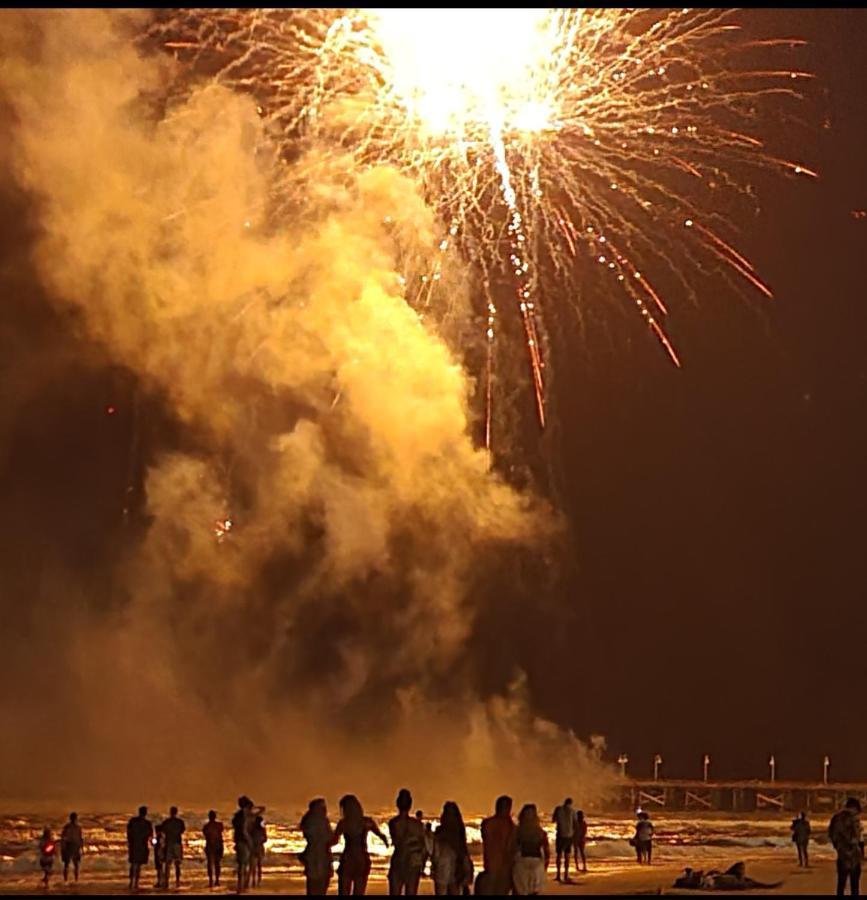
(734, 796)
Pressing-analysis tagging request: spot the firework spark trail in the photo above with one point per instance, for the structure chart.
(584, 123)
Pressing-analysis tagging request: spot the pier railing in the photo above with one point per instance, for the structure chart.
(734, 796)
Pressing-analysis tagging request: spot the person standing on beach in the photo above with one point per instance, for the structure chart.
(71, 842)
(452, 867)
(408, 858)
(139, 833)
(498, 849)
(531, 854)
(844, 831)
(564, 819)
(317, 857)
(242, 829)
(260, 838)
(801, 837)
(643, 840)
(213, 832)
(353, 827)
(47, 854)
(579, 839)
(173, 828)
(160, 868)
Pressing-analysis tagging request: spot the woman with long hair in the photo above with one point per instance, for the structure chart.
(452, 867)
(316, 857)
(532, 853)
(353, 827)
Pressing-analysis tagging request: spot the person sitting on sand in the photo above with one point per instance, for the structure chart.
(801, 837)
(317, 857)
(47, 854)
(71, 843)
(733, 879)
(353, 827)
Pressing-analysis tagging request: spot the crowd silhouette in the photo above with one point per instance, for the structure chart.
(516, 856)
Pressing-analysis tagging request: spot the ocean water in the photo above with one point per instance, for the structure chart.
(694, 840)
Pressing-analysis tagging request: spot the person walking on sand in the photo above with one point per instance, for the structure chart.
(139, 833)
(498, 840)
(173, 828)
(213, 832)
(353, 827)
(801, 837)
(643, 840)
(260, 838)
(47, 855)
(844, 831)
(316, 856)
(532, 854)
(408, 858)
(452, 867)
(564, 818)
(579, 840)
(71, 843)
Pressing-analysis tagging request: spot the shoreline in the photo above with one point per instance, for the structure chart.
(819, 878)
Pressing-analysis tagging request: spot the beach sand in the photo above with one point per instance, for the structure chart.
(628, 880)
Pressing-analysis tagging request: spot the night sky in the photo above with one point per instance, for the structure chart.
(715, 597)
(719, 510)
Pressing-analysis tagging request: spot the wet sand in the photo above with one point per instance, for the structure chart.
(818, 879)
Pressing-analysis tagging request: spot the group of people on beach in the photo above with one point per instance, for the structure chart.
(515, 855)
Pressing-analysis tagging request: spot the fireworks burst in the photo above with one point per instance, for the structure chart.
(537, 135)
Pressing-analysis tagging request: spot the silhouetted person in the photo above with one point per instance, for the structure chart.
(213, 832)
(160, 868)
(47, 854)
(408, 857)
(801, 837)
(317, 857)
(353, 827)
(452, 867)
(242, 830)
(579, 840)
(71, 843)
(532, 854)
(173, 828)
(844, 831)
(498, 837)
(564, 818)
(260, 838)
(428, 838)
(139, 833)
(643, 840)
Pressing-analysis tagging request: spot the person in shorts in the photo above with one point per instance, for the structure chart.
(71, 842)
(173, 828)
(564, 819)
